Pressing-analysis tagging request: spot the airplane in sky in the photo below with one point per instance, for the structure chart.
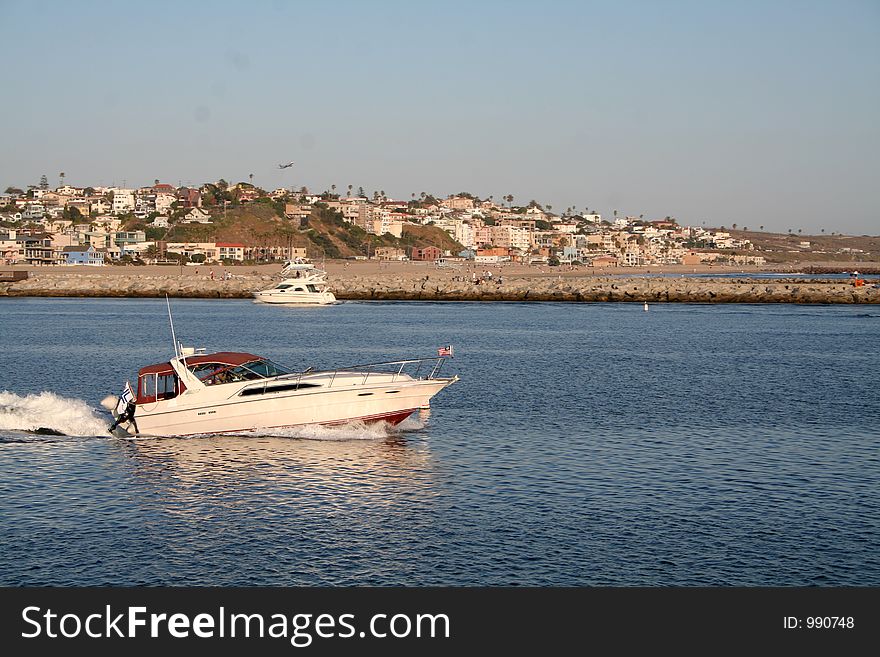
(285, 166)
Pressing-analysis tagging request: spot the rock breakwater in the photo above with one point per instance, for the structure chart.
(441, 286)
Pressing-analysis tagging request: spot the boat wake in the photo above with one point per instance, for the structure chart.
(47, 413)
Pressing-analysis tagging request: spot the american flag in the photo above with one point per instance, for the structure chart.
(445, 351)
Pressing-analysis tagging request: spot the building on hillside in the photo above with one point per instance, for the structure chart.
(389, 253)
(83, 255)
(124, 239)
(298, 213)
(429, 253)
(230, 251)
(189, 197)
(384, 226)
(508, 236)
(189, 249)
(36, 248)
(458, 203)
(10, 252)
(603, 261)
(197, 216)
(493, 255)
(123, 201)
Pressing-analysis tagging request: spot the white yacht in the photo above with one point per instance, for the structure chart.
(301, 283)
(229, 392)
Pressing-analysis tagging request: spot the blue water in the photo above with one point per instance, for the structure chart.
(586, 444)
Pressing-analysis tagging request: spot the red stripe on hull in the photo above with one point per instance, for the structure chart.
(390, 418)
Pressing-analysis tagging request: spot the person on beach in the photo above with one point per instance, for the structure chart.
(212, 274)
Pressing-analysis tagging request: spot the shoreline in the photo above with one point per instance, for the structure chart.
(415, 281)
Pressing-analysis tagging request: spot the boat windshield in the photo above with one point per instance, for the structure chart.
(214, 373)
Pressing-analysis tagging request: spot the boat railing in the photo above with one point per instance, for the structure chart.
(413, 367)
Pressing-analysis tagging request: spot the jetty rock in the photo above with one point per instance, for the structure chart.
(443, 286)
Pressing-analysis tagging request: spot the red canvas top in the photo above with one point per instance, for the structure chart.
(225, 357)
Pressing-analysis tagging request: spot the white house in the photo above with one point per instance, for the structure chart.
(197, 216)
(123, 201)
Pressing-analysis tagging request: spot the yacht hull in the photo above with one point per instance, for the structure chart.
(296, 298)
(208, 412)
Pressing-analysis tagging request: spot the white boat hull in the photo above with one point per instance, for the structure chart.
(222, 409)
(295, 298)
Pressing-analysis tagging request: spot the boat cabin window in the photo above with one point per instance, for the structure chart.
(266, 368)
(218, 373)
(312, 288)
(157, 387)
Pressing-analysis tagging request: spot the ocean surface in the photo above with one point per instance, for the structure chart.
(586, 444)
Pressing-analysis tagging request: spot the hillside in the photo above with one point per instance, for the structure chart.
(324, 233)
(785, 248)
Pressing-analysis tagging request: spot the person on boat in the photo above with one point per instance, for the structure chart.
(126, 416)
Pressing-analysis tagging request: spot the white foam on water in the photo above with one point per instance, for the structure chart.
(414, 422)
(348, 431)
(46, 410)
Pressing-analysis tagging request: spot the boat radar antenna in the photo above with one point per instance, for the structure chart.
(171, 321)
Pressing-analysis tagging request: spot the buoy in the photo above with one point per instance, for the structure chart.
(646, 306)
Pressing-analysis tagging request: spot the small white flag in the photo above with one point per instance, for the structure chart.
(125, 398)
(445, 351)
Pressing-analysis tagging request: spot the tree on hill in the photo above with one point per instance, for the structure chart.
(71, 213)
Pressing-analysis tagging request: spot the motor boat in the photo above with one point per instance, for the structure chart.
(227, 392)
(301, 283)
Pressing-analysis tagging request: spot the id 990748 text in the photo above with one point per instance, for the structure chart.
(819, 623)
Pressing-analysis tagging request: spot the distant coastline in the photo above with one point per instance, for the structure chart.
(428, 282)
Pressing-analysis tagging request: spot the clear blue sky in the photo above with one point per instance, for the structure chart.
(756, 113)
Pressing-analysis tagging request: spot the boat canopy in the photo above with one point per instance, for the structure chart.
(160, 381)
(222, 357)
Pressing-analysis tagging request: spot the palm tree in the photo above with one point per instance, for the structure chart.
(734, 226)
(761, 227)
(155, 181)
(61, 176)
(251, 176)
(333, 188)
